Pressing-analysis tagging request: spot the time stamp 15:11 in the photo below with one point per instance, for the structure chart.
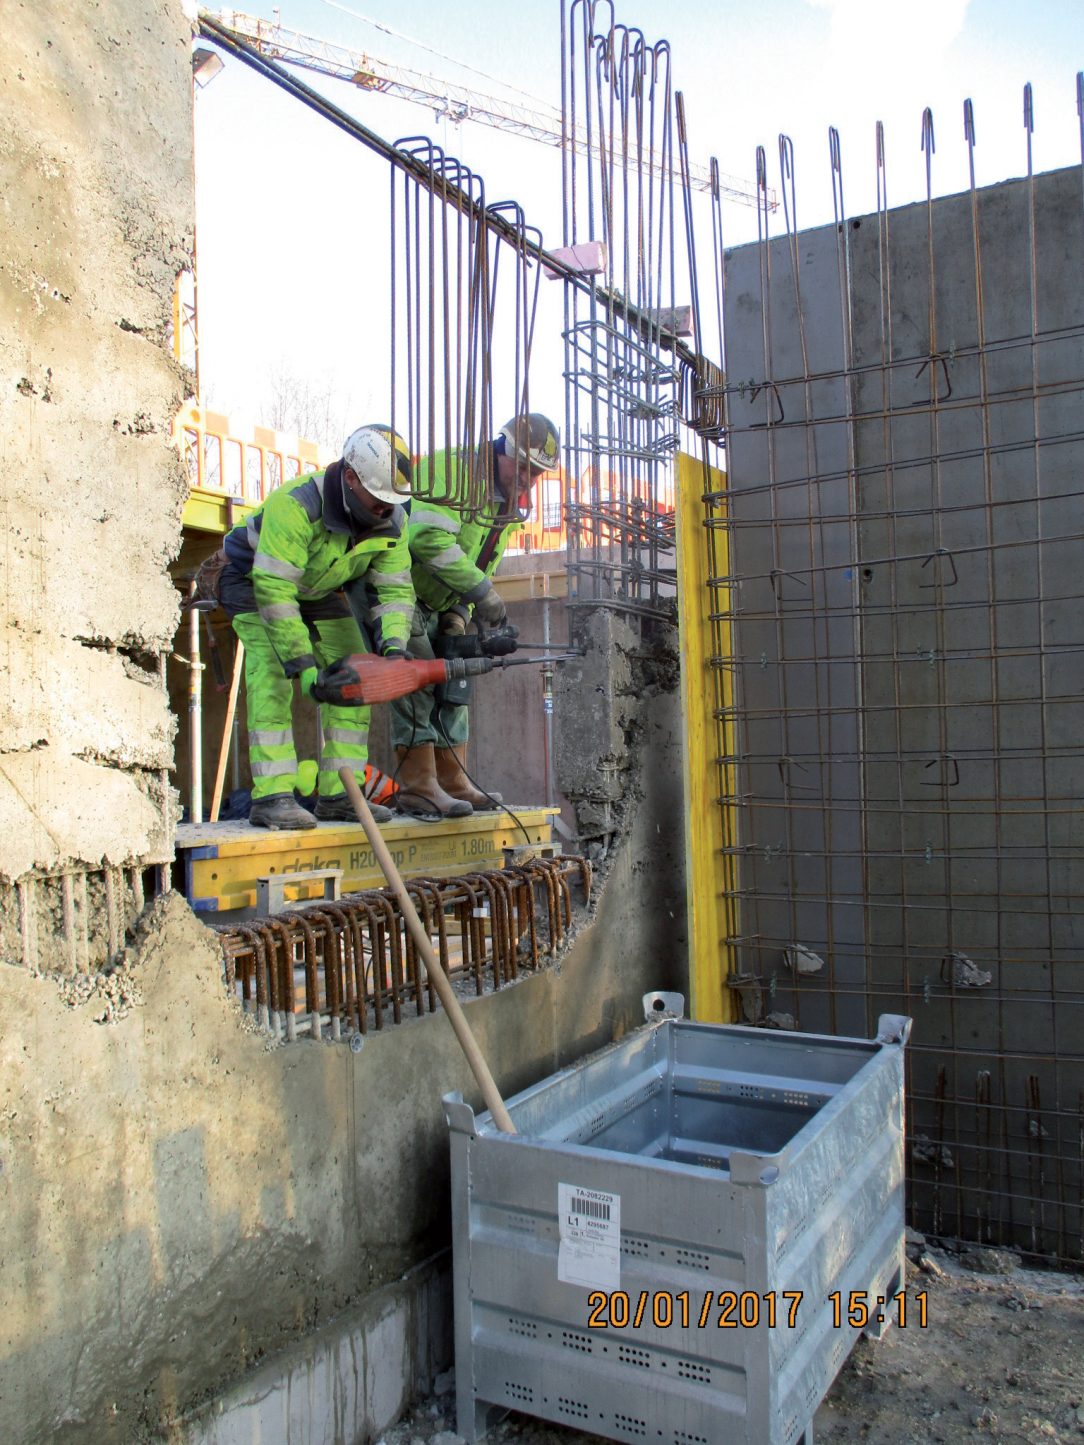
(730, 1310)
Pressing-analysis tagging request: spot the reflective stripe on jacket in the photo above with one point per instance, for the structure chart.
(445, 549)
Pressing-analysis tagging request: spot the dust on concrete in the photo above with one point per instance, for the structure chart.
(113, 994)
(1001, 1358)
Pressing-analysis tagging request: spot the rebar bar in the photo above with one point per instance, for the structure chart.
(623, 376)
(352, 957)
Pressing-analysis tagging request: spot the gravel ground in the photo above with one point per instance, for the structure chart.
(1001, 1359)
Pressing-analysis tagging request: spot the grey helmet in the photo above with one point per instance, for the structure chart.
(532, 438)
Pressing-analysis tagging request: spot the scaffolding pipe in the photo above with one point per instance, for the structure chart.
(195, 707)
(547, 705)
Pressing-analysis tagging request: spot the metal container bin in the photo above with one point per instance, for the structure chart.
(668, 1248)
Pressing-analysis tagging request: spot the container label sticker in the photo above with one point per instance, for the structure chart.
(590, 1229)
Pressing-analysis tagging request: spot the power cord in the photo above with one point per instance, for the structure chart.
(428, 816)
(497, 803)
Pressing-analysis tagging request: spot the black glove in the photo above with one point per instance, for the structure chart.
(333, 684)
(501, 641)
(395, 651)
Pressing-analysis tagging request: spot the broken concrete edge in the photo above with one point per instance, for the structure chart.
(190, 1159)
(115, 980)
(601, 732)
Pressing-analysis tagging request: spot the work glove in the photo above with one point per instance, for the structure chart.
(308, 677)
(453, 623)
(333, 684)
(394, 649)
(491, 609)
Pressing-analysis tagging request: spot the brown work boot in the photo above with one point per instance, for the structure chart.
(452, 777)
(280, 810)
(419, 792)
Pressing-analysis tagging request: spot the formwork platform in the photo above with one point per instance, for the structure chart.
(219, 864)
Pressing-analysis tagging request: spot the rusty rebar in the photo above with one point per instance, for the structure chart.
(353, 957)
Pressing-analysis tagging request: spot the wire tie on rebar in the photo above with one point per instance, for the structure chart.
(942, 552)
(944, 758)
(929, 852)
(777, 572)
(785, 762)
(939, 360)
(772, 421)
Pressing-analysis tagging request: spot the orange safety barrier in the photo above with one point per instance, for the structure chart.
(546, 529)
(243, 465)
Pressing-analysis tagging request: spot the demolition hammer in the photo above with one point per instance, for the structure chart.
(362, 678)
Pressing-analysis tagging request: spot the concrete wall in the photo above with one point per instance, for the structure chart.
(185, 1205)
(182, 1199)
(907, 560)
(96, 179)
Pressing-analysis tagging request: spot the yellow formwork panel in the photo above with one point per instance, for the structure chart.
(210, 511)
(707, 712)
(222, 861)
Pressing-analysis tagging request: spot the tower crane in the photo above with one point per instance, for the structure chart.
(448, 99)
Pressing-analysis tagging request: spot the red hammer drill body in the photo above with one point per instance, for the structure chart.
(363, 678)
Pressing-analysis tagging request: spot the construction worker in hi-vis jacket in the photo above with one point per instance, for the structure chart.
(453, 561)
(320, 570)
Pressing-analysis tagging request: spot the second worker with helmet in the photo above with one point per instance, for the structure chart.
(453, 561)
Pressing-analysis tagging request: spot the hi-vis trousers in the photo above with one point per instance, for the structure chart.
(269, 699)
(418, 718)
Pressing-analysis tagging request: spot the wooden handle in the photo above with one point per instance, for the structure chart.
(224, 750)
(439, 978)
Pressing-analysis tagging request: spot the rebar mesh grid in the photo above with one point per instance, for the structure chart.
(622, 374)
(899, 639)
(351, 965)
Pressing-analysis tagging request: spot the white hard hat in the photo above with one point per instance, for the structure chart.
(532, 438)
(381, 459)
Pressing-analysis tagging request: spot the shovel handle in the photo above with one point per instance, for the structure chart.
(452, 1007)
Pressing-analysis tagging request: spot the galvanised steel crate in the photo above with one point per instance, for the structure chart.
(671, 1245)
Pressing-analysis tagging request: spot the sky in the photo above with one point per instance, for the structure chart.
(293, 216)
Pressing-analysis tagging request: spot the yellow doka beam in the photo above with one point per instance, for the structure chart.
(222, 861)
(705, 690)
(211, 511)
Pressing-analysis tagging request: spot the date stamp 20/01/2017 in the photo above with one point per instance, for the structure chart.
(731, 1309)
